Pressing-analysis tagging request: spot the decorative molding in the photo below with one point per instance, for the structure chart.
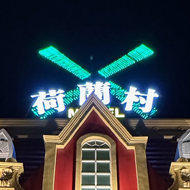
(9, 175)
(6, 145)
(138, 144)
(167, 123)
(180, 172)
(4, 123)
(158, 124)
(183, 145)
(94, 104)
(49, 166)
(6, 176)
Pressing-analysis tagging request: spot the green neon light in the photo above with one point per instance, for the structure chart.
(140, 53)
(115, 90)
(133, 57)
(71, 95)
(60, 59)
(45, 115)
(119, 93)
(116, 66)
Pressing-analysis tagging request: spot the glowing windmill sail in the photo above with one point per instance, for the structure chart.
(60, 59)
(134, 56)
(140, 53)
(116, 66)
(125, 61)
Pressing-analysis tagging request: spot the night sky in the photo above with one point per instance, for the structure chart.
(103, 29)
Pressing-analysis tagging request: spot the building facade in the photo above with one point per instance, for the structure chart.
(95, 151)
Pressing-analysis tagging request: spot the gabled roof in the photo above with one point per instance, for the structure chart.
(93, 103)
(92, 106)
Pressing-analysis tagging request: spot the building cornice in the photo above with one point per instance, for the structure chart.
(159, 124)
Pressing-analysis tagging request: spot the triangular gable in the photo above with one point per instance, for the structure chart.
(53, 143)
(93, 103)
(6, 145)
(183, 146)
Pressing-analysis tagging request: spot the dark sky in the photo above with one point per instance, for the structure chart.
(103, 29)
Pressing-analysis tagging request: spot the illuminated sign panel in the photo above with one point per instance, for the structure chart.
(55, 100)
(134, 96)
(99, 88)
(131, 58)
(60, 59)
(140, 103)
(46, 101)
(115, 111)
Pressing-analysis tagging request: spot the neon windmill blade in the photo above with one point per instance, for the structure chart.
(60, 59)
(131, 58)
(134, 56)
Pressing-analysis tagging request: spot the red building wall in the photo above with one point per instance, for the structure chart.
(66, 158)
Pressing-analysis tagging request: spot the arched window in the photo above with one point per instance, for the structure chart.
(96, 163)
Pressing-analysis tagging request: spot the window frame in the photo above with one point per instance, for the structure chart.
(95, 161)
(113, 168)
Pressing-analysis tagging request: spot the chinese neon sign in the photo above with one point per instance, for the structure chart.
(99, 88)
(134, 56)
(46, 101)
(54, 100)
(135, 96)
